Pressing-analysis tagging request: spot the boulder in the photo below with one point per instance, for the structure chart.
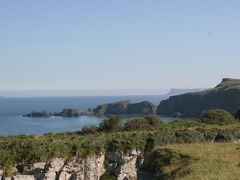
(55, 168)
(123, 166)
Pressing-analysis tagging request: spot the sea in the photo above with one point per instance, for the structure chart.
(12, 110)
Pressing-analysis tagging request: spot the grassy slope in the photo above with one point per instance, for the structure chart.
(215, 160)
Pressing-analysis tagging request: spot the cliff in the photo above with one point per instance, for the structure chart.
(226, 96)
(125, 107)
(122, 166)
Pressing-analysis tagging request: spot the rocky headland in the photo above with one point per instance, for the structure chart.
(226, 96)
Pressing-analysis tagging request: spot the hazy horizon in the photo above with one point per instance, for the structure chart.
(91, 92)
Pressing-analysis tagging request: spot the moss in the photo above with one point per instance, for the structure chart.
(107, 176)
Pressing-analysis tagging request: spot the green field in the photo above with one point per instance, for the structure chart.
(218, 161)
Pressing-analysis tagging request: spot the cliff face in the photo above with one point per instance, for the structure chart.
(125, 107)
(123, 166)
(226, 96)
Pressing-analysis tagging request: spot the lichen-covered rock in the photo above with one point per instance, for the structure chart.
(91, 168)
(123, 166)
(36, 169)
(24, 177)
(55, 168)
(1, 173)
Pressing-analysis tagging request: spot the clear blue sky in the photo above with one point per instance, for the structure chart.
(118, 44)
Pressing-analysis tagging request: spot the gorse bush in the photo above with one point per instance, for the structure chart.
(167, 164)
(113, 123)
(217, 116)
(91, 129)
(149, 122)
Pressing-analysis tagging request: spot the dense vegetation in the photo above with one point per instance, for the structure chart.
(114, 134)
(217, 116)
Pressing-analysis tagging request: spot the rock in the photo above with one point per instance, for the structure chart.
(91, 168)
(1, 174)
(123, 166)
(144, 107)
(8, 178)
(88, 112)
(55, 168)
(24, 177)
(223, 96)
(36, 169)
(125, 107)
(43, 114)
(69, 112)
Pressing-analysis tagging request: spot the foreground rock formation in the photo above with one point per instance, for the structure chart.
(223, 96)
(123, 166)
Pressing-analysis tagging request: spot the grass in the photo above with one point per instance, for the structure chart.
(218, 161)
(30, 149)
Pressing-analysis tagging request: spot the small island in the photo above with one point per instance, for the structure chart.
(117, 108)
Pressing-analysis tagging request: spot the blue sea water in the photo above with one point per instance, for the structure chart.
(13, 123)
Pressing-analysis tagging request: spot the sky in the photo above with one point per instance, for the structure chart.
(110, 44)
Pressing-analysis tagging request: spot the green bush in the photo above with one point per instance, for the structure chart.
(107, 176)
(149, 122)
(217, 116)
(90, 129)
(113, 123)
(167, 164)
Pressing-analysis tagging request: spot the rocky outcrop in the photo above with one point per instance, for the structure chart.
(118, 108)
(91, 168)
(69, 112)
(226, 96)
(43, 114)
(54, 169)
(88, 112)
(125, 107)
(121, 165)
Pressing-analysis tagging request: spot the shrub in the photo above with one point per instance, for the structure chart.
(167, 164)
(107, 176)
(147, 123)
(217, 116)
(91, 129)
(113, 123)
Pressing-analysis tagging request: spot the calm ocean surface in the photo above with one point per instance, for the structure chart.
(12, 109)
